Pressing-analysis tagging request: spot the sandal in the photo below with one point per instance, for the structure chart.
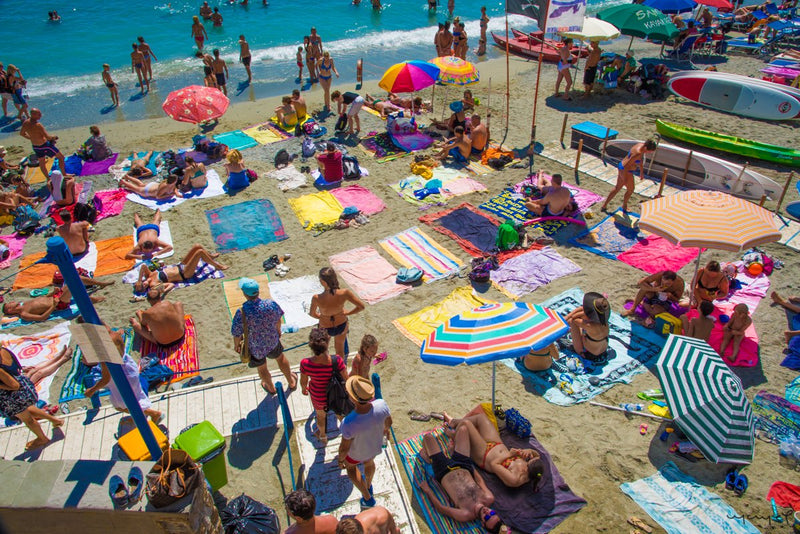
(641, 525)
(296, 381)
(437, 415)
(416, 415)
(118, 491)
(730, 479)
(273, 392)
(135, 483)
(740, 485)
(379, 358)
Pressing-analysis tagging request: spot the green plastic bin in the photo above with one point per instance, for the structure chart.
(206, 445)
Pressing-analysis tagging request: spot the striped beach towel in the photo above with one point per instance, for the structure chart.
(414, 248)
(74, 385)
(183, 359)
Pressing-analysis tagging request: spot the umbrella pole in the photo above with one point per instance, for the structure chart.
(489, 119)
(630, 45)
(694, 277)
(536, 91)
(433, 96)
(494, 373)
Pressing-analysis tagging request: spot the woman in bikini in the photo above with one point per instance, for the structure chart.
(328, 308)
(564, 66)
(325, 68)
(194, 175)
(155, 190)
(514, 467)
(710, 283)
(627, 166)
(182, 272)
(588, 325)
(199, 33)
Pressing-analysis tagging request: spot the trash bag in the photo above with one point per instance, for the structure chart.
(244, 515)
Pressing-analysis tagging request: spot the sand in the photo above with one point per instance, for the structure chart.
(596, 450)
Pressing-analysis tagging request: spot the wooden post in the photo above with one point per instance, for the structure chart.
(605, 143)
(763, 198)
(785, 188)
(359, 73)
(564, 128)
(578, 157)
(686, 169)
(663, 181)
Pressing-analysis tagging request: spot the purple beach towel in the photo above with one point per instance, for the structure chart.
(90, 168)
(526, 272)
(413, 142)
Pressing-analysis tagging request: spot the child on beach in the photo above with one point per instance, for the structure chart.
(299, 64)
(362, 361)
(699, 327)
(734, 330)
(112, 87)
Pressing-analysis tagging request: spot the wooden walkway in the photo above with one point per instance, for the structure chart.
(233, 406)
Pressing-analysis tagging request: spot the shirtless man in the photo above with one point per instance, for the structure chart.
(148, 244)
(163, 324)
(301, 506)
(220, 71)
(244, 56)
(479, 135)
(44, 144)
(590, 70)
(39, 309)
(205, 11)
(149, 56)
(446, 41)
(375, 520)
(159, 191)
(137, 66)
(460, 481)
(656, 292)
(459, 147)
(555, 200)
(75, 234)
(216, 18)
(299, 104)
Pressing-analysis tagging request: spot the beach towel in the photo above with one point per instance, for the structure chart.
(183, 359)
(748, 350)
(245, 225)
(473, 230)
(165, 235)
(454, 183)
(414, 248)
(66, 314)
(776, 417)
(125, 165)
(51, 209)
(234, 298)
(419, 325)
(15, 246)
(37, 348)
(288, 178)
(266, 133)
(511, 205)
(360, 197)
(236, 140)
(294, 296)
(112, 202)
(74, 384)
(526, 272)
(34, 175)
(73, 164)
(90, 168)
(368, 274)
(381, 147)
(316, 209)
(632, 348)
(612, 236)
(749, 289)
(213, 189)
(654, 253)
(679, 504)
(785, 495)
(412, 142)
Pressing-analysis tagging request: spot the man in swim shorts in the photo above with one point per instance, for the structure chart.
(556, 198)
(220, 71)
(459, 147)
(163, 323)
(479, 135)
(244, 56)
(75, 234)
(138, 66)
(148, 243)
(656, 292)
(355, 103)
(590, 70)
(44, 144)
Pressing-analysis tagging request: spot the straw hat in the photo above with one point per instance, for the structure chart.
(360, 389)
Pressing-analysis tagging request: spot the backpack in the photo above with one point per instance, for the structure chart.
(308, 147)
(350, 168)
(341, 123)
(85, 212)
(507, 236)
(499, 162)
(282, 158)
(408, 275)
(252, 175)
(338, 400)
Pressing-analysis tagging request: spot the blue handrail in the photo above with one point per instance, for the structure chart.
(288, 426)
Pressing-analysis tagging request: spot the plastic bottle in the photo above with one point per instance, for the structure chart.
(289, 328)
(795, 443)
(786, 452)
(628, 407)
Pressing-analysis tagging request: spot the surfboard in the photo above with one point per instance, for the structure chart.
(792, 209)
(739, 95)
(704, 172)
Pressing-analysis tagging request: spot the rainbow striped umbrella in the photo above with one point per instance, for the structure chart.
(409, 76)
(493, 332)
(456, 71)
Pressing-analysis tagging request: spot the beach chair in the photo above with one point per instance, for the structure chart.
(760, 46)
(685, 50)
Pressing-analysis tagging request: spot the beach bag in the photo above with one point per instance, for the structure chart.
(174, 476)
(85, 212)
(338, 400)
(481, 270)
(252, 175)
(397, 124)
(341, 123)
(350, 168)
(154, 375)
(245, 515)
(507, 236)
(308, 148)
(26, 220)
(282, 159)
(408, 275)
(499, 162)
(517, 424)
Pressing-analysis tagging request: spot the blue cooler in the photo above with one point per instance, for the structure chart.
(593, 135)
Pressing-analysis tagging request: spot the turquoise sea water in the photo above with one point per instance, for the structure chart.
(62, 61)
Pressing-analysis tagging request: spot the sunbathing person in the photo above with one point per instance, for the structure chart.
(37, 373)
(382, 106)
(74, 234)
(39, 309)
(62, 188)
(182, 272)
(556, 198)
(461, 482)
(710, 283)
(542, 359)
(10, 201)
(415, 105)
(459, 147)
(287, 115)
(154, 190)
(656, 292)
(735, 330)
(23, 189)
(458, 118)
(478, 135)
(699, 327)
(148, 243)
(194, 175)
(163, 323)
(328, 307)
(588, 325)
(789, 304)
(139, 167)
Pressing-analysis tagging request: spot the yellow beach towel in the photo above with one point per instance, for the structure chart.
(263, 136)
(234, 296)
(319, 208)
(34, 175)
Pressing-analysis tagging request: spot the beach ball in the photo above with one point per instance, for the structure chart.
(755, 269)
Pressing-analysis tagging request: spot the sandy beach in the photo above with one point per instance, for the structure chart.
(595, 450)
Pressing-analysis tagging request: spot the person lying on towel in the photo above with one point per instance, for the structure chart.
(459, 147)
(514, 467)
(39, 309)
(555, 200)
(181, 272)
(460, 481)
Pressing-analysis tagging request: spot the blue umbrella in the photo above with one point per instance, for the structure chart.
(671, 6)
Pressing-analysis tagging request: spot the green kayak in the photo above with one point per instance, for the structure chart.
(729, 143)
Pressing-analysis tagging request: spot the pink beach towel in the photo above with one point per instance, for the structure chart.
(654, 254)
(98, 167)
(368, 274)
(360, 197)
(752, 290)
(15, 246)
(748, 350)
(113, 202)
(463, 186)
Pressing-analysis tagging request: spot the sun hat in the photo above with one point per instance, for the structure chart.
(249, 287)
(457, 106)
(360, 389)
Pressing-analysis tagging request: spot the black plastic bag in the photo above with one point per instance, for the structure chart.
(244, 515)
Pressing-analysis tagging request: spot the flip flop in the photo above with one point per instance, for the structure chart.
(118, 491)
(379, 358)
(641, 525)
(273, 392)
(437, 415)
(367, 503)
(740, 485)
(416, 415)
(730, 479)
(135, 483)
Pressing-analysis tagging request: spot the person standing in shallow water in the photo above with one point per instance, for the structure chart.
(137, 66)
(244, 56)
(147, 52)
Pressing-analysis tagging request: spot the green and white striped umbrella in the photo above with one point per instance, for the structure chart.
(707, 400)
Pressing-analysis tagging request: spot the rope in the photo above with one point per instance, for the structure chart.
(8, 290)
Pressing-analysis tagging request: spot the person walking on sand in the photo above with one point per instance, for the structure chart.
(328, 308)
(199, 33)
(315, 375)
(137, 66)
(220, 71)
(564, 66)
(149, 56)
(590, 70)
(244, 56)
(627, 166)
(112, 86)
(325, 71)
(44, 144)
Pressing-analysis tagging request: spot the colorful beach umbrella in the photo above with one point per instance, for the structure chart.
(456, 71)
(409, 76)
(195, 103)
(707, 400)
(493, 332)
(716, 3)
(593, 30)
(640, 21)
(671, 6)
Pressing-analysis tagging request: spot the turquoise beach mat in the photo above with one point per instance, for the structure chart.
(236, 140)
(245, 225)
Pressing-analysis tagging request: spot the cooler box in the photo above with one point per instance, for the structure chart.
(593, 136)
(206, 445)
(132, 443)
(666, 323)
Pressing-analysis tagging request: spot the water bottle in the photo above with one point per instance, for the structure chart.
(786, 452)
(289, 328)
(795, 443)
(632, 407)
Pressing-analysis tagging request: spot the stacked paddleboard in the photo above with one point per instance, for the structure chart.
(748, 97)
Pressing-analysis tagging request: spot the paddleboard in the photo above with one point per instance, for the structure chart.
(739, 95)
(792, 209)
(704, 172)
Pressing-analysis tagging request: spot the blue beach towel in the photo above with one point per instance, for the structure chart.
(612, 236)
(245, 225)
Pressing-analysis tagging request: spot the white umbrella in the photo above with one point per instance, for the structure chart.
(593, 30)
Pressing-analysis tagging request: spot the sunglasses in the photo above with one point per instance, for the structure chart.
(489, 515)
